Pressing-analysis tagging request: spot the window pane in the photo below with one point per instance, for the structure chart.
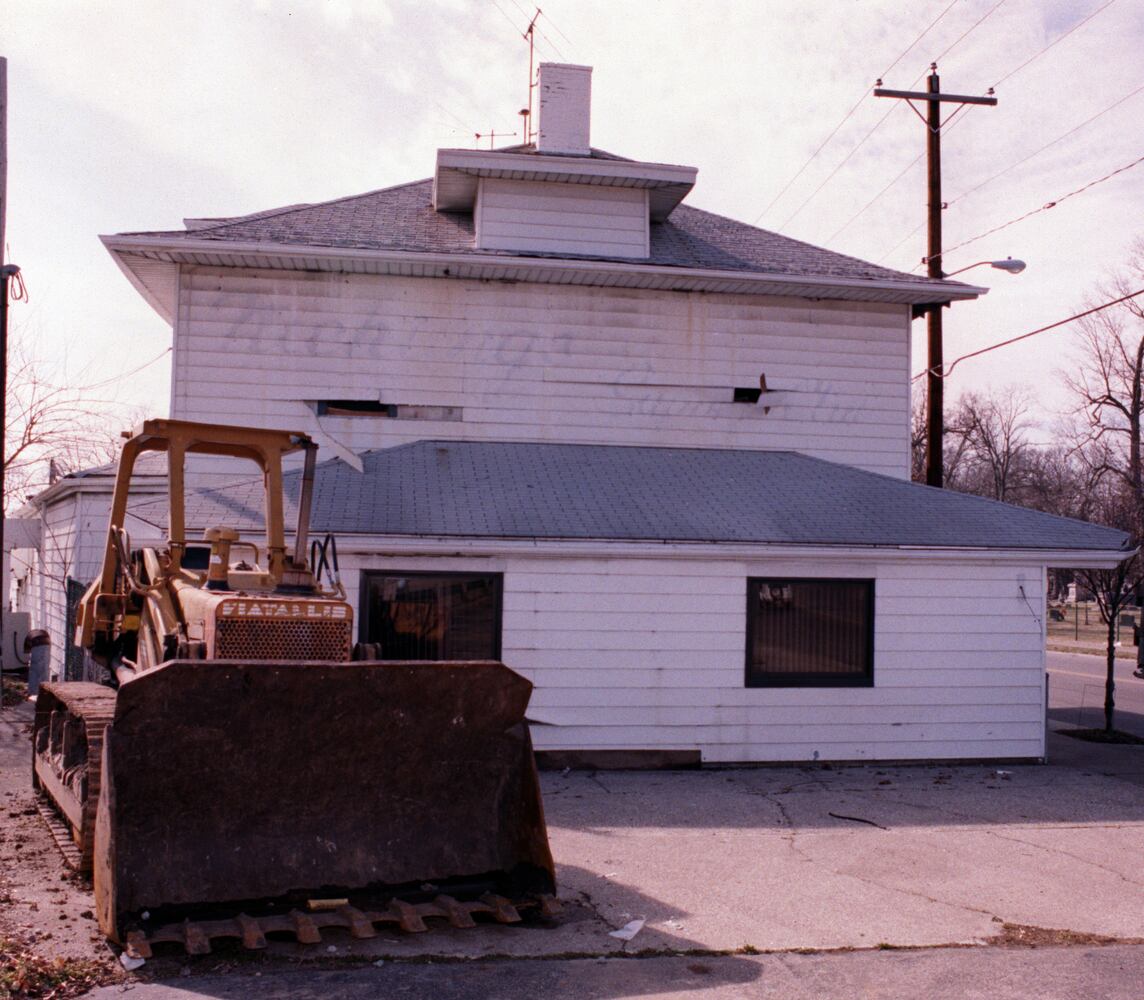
(810, 632)
(439, 616)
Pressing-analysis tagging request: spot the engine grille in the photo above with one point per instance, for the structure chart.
(263, 639)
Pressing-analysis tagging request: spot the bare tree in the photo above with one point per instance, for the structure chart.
(53, 429)
(1107, 382)
(955, 446)
(986, 445)
(993, 428)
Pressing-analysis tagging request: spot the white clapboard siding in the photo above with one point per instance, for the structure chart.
(567, 219)
(650, 654)
(59, 540)
(544, 363)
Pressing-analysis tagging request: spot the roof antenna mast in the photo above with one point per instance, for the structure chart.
(530, 37)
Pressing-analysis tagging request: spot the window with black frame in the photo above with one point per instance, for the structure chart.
(432, 616)
(810, 633)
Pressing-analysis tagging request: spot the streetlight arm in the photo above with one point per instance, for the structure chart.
(1008, 264)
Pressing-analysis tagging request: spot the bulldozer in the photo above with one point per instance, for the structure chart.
(243, 768)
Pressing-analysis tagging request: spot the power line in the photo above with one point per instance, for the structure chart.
(1013, 72)
(1046, 206)
(829, 177)
(846, 225)
(965, 194)
(548, 41)
(1053, 142)
(846, 117)
(1024, 336)
(973, 27)
(119, 378)
(949, 48)
(1059, 38)
(886, 71)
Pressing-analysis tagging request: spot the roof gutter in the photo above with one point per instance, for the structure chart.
(441, 546)
(508, 267)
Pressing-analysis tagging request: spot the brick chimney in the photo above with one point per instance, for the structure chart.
(565, 109)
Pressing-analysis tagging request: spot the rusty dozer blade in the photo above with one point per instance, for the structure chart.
(229, 781)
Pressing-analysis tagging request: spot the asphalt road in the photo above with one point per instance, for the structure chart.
(1052, 973)
(1076, 692)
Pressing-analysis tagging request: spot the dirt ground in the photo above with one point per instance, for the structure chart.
(45, 911)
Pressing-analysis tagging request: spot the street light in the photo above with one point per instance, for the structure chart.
(1008, 264)
(935, 389)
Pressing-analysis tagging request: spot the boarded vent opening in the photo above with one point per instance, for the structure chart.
(390, 411)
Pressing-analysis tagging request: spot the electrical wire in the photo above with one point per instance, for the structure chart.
(965, 34)
(1024, 336)
(1044, 208)
(846, 117)
(829, 177)
(965, 194)
(854, 218)
(119, 378)
(1053, 142)
(1055, 41)
(1013, 72)
(973, 27)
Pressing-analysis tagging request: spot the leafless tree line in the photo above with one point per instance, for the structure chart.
(1090, 468)
(52, 428)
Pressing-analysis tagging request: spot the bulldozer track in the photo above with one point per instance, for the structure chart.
(61, 833)
(307, 927)
(68, 735)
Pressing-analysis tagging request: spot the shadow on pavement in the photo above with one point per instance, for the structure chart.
(585, 979)
(1091, 716)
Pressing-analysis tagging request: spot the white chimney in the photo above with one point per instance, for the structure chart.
(565, 109)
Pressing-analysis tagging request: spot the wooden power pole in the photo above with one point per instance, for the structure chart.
(934, 98)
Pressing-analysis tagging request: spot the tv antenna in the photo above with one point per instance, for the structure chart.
(491, 136)
(530, 37)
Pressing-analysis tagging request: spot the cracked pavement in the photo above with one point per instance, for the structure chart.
(857, 857)
(722, 863)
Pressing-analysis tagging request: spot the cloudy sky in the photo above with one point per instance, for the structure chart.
(130, 115)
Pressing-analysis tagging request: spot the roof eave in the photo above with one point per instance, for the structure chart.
(157, 286)
(542, 270)
(494, 546)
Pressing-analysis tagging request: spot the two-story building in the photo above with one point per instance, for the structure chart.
(655, 459)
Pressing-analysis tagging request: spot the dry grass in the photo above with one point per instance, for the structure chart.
(25, 975)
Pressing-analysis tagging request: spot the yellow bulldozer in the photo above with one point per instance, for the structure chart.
(245, 768)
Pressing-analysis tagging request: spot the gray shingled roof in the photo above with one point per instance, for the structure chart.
(403, 219)
(569, 491)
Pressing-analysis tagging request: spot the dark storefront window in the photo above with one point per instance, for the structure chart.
(808, 633)
(432, 616)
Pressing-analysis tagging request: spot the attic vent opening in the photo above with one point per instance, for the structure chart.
(389, 411)
(747, 394)
(353, 408)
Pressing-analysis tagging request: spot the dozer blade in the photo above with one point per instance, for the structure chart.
(235, 781)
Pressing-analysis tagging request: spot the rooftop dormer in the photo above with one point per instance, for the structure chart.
(560, 196)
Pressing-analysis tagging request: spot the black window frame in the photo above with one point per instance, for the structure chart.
(755, 678)
(365, 604)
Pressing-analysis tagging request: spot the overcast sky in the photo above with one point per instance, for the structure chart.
(130, 115)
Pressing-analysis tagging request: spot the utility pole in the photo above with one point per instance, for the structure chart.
(935, 388)
(4, 276)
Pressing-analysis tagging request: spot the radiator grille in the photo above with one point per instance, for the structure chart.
(262, 639)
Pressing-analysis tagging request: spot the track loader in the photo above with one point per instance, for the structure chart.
(243, 769)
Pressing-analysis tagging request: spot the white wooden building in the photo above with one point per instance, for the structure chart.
(511, 339)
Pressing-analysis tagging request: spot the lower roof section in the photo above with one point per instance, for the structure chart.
(531, 491)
